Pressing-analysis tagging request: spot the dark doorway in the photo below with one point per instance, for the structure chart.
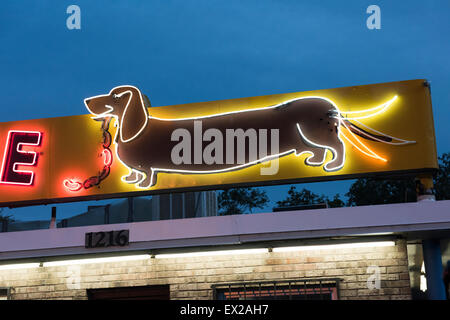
(160, 292)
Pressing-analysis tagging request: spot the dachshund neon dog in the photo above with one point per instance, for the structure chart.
(310, 125)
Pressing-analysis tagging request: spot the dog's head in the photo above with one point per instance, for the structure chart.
(127, 105)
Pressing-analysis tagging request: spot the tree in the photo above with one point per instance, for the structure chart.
(368, 191)
(442, 178)
(305, 197)
(336, 202)
(241, 200)
(4, 220)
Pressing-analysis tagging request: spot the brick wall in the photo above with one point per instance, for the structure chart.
(191, 278)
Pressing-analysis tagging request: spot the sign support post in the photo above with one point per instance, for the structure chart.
(431, 247)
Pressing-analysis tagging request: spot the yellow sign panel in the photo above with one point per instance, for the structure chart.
(125, 147)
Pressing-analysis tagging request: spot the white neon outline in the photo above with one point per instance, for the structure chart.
(373, 154)
(238, 167)
(383, 107)
(138, 178)
(403, 142)
(108, 112)
(261, 160)
(154, 171)
(333, 151)
(251, 163)
(362, 151)
(310, 163)
(15, 164)
(246, 110)
(104, 114)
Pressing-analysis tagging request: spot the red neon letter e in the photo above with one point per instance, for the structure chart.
(14, 156)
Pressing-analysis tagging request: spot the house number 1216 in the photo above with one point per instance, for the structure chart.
(107, 239)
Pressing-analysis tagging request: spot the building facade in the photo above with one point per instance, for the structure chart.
(341, 253)
(342, 273)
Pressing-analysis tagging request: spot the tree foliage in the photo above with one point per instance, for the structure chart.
(307, 197)
(442, 178)
(241, 200)
(368, 191)
(5, 220)
(336, 202)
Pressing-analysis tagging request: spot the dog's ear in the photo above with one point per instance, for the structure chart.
(134, 119)
(146, 100)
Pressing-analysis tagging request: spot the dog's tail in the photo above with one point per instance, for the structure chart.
(367, 113)
(374, 135)
(349, 121)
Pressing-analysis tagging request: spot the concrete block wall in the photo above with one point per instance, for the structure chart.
(191, 278)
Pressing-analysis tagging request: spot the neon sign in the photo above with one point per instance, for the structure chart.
(14, 156)
(74, 185)
(123, 146)
(311, 125)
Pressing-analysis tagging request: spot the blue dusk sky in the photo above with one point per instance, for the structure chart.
(201, 50)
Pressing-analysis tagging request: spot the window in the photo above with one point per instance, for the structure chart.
(159, 292)
(308, 289)
(5, 294)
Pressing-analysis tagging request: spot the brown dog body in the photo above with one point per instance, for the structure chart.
(144, 143)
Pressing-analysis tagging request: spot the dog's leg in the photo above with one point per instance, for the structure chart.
(317, 158)
(133, 177)
(338, 160)
(149, 181)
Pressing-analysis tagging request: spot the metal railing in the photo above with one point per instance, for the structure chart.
(298, 289)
